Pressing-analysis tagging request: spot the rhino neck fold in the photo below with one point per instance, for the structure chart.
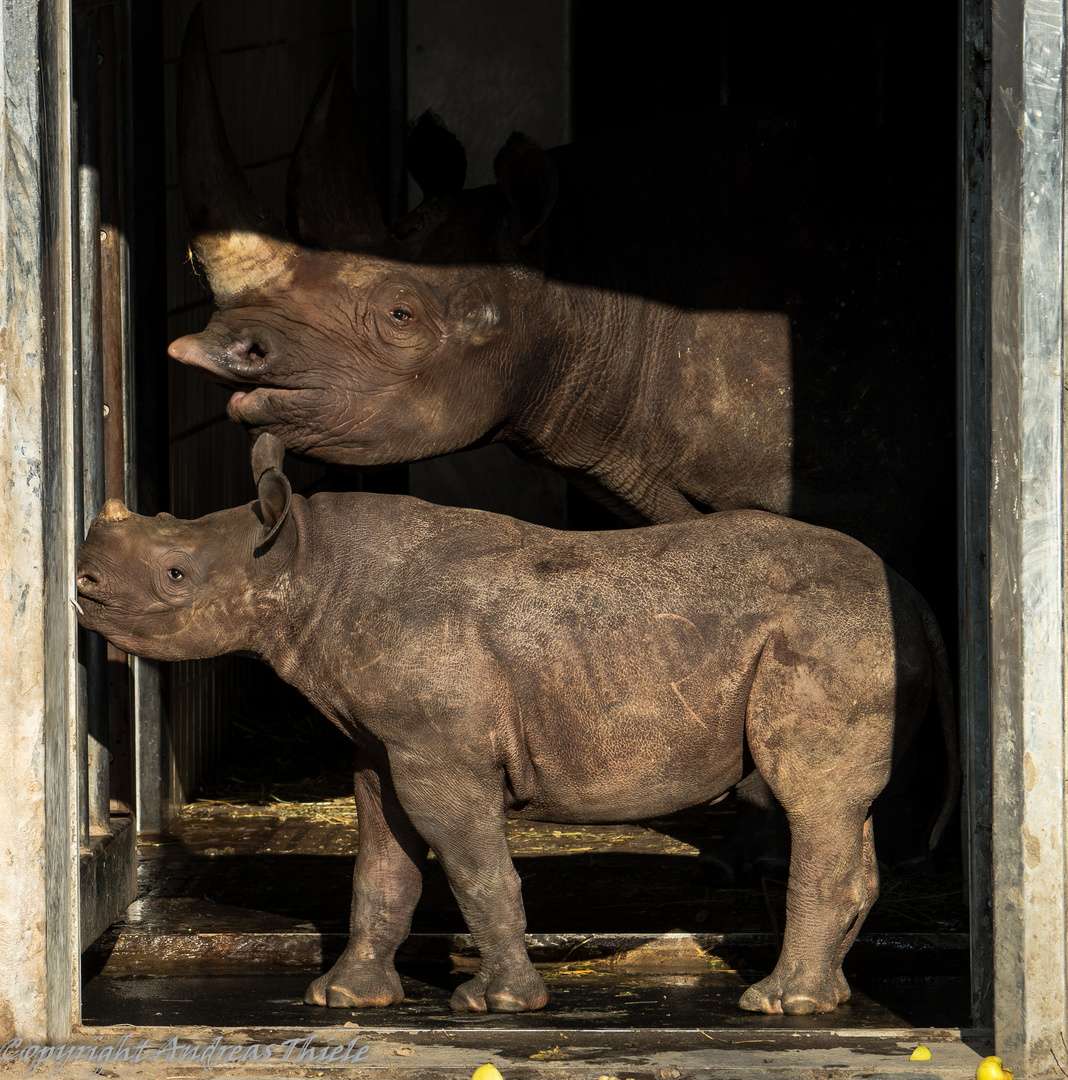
(592, 412)
(332, 596)
(286, 618)
(576, 390)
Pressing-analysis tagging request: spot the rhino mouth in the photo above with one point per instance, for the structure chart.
(244, 378)
(266, 404)
(249, 403)
(92, 611)
(224, 376)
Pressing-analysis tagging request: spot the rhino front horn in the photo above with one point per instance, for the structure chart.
(239, 246)
(113, 510)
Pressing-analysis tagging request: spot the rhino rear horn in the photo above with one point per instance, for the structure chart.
(240, 246)
(435, 157)
(330, 200)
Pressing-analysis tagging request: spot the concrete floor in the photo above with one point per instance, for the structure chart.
(242, 905)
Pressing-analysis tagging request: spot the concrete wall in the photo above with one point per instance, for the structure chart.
(38, 844)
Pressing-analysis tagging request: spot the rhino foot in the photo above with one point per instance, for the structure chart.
(796, 991)
(363, 987)
(522, 991)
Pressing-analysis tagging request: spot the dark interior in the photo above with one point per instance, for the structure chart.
(877, 78)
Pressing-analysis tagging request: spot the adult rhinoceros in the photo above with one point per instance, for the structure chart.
(700, 321)
(735, 316)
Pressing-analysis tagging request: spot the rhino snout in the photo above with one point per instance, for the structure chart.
(236, 362)
(249, 358)
(88, 582)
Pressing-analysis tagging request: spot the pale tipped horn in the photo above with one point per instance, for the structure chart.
(331, 201)
(240, 246)
(113, 511)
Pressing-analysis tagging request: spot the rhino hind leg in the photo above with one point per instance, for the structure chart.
(386, 886)
(797, 989)
(834, 880)
(506, 980)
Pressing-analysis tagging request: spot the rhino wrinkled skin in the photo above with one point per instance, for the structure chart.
(487, 667)
(703, 320)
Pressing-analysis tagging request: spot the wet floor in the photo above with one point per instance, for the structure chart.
(604, 1002)
(241, 906)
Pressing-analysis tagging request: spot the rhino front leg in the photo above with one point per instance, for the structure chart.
(466, 833)
(488, 892)
(833, 883)
(385, 889)
(506, 980)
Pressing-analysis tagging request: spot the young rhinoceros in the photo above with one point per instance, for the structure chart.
(484, 667)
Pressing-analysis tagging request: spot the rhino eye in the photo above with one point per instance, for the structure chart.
(400, 315)
(175, 574)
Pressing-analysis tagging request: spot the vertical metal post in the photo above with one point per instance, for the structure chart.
(1027, 643)
(973, 332)
(57, 526)
(145, 232)
(113, 339)
(92, 712)
(22, 771)
(38, 677)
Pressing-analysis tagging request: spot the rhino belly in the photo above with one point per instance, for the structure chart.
(641, 725)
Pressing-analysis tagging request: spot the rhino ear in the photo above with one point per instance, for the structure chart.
(267, 453)
(275, 496)
(528, 180)
(435, 157)
(330, 199)
(271, 484)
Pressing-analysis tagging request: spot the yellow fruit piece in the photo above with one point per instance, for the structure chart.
(921, 1053)
(486, 1072)
(990, 1068)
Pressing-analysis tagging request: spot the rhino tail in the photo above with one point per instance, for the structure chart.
(945, 702)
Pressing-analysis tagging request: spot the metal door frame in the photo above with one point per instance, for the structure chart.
(1018, 232)
(68, 795)
(1012, 566)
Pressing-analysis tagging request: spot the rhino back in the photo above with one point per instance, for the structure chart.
(575, 663)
